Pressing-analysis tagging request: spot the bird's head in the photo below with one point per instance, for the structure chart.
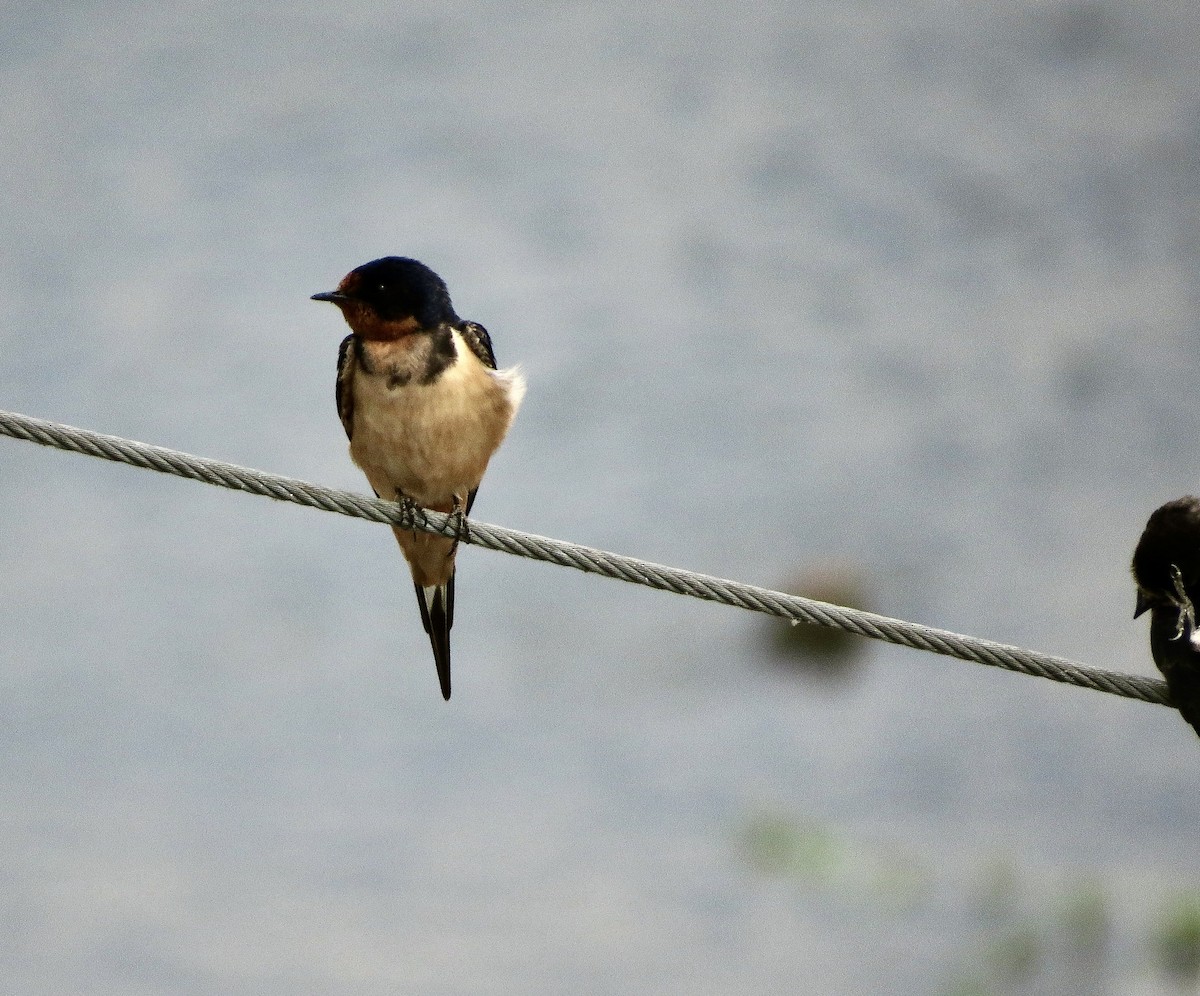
(1167, 558)
(392, 297)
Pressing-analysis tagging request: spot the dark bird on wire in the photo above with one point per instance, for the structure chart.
(1166, 567)
(424, 408)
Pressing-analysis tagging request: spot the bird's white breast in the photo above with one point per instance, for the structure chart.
(431, 441)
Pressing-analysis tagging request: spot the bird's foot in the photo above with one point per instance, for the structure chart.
(1187, 611)
(410, 512)
(458, 520)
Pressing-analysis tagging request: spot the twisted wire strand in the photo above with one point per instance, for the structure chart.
(582, 558)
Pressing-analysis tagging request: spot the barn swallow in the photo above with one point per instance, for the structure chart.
(424, 408)
(1166, 568)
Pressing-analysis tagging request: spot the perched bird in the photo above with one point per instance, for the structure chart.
(424, 408)
(1166, 568)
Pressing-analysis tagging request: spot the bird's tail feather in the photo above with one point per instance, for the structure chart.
(437, 616)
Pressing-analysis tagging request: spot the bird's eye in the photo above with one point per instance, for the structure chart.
(381, 287)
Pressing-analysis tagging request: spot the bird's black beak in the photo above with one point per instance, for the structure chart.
(1143, 603)
(333, 297)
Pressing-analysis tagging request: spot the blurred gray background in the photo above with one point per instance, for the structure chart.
(898, 287)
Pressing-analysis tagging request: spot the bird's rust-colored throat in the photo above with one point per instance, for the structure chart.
(366, 324)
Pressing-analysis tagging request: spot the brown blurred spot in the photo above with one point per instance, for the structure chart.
(821, 650)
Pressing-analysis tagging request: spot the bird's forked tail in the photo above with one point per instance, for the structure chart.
(437, 616)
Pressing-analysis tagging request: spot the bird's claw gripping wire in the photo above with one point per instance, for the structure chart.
(1187, 611)
(458, 521)
(410, 512)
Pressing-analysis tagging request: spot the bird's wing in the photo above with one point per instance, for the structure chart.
(345, 396)
(476, 336)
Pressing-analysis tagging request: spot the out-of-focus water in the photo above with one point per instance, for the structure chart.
(906, 288)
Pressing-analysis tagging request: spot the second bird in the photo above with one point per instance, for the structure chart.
(424, 408)
(1166, 569)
